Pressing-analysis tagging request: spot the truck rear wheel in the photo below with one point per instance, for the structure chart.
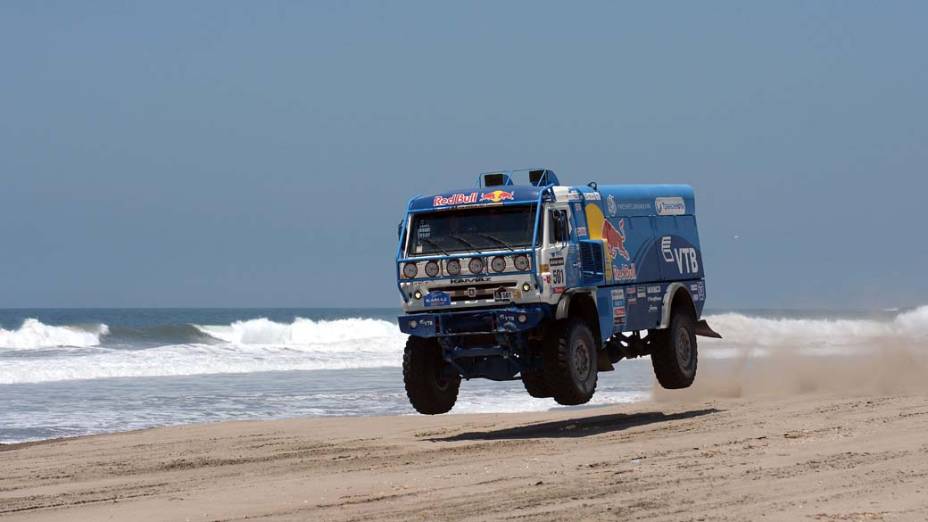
(430, 387)
(570, 363)
(674, 353)
(535, 383)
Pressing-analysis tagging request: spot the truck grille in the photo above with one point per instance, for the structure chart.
(476, 291)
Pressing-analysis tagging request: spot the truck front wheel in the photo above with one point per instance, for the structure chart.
(535, 384)
(673, 353)
(570, 363)
(431, 388)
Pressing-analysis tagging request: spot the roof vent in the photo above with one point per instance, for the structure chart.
(542, 177)
(496, 179)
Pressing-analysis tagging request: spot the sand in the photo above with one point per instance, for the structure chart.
(815, 456)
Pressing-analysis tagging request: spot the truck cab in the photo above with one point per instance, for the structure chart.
(521, 277)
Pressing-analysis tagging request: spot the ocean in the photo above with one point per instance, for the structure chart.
(69, 372)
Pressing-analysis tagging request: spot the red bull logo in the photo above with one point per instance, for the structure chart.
(454, 199)
(496, 196)
(615, 238)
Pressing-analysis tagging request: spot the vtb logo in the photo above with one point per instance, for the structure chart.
(685, 258)
(496, 196)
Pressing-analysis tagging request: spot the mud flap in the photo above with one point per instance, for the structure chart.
(603, 362)
(703, 329)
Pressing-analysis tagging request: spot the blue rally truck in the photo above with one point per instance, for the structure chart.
(548, 283)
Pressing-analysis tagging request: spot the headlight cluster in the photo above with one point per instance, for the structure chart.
(431, 269)
(475, 265)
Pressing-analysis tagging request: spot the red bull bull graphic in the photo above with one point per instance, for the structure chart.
(496, 196)
(615, 238)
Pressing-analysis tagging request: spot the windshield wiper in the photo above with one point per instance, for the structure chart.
(433, 245)
(498, 240)
(466, 242)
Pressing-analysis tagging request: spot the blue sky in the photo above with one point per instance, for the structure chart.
(260, 153)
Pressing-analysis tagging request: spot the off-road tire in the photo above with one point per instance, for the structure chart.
(430, 389)
(674, 355)
(535, 383)
(570, 362)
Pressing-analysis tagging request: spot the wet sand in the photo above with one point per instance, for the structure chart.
(797, 457)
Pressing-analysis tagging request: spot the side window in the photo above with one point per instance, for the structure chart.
(560, 229)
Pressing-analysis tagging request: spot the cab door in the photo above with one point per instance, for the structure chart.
(560, 249)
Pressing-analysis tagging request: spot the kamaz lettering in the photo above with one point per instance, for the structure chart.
(549, 284)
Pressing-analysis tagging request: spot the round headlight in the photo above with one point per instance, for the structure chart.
(475, 266)
(431, 268)
(410, 270)
(498, 264)
(521, 263)
(453, 266)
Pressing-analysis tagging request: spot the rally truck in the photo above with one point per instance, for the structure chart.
(520, 277)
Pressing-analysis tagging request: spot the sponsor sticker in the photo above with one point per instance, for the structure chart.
(618, 314)
(634, 205)
(497, 195)
(683, 257)
(611, 206)
(618, 306)
(670, 206)
(593, 196)
(425, 231)
(502, 294)
(654, 289)
(581, 231)
(454, 199)
(437, 299)
(642, 292)
(625, 272)
(558, 278)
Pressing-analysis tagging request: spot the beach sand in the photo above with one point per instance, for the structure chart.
(812, 456)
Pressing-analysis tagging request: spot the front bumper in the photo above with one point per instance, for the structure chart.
(510, 319)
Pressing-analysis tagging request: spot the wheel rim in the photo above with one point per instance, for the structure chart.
(684, 348)
(581, 360)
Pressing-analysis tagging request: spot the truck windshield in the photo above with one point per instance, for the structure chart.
(472, 229)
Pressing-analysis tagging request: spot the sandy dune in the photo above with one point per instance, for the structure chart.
(814, 457)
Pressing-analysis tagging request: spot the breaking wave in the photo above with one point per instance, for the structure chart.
(256, 345)
(37, 352)
(35, 334)
(301, 332)
(759, 336)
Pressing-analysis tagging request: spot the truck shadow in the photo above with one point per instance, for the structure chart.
(578, 427)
